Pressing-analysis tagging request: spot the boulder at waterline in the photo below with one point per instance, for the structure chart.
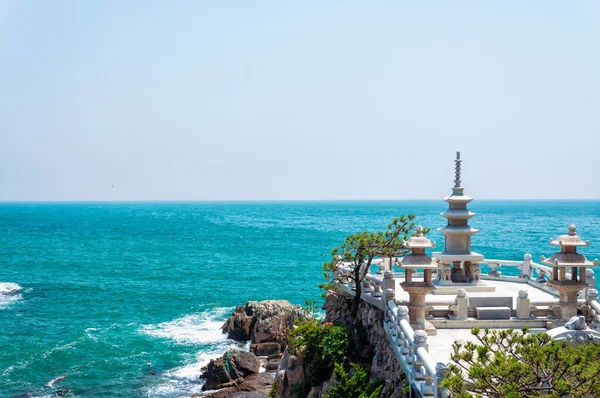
(263, 322)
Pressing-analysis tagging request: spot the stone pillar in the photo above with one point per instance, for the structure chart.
(461, 305)
(387, 265)
(526, 266)
(568, 303)
(523, 305)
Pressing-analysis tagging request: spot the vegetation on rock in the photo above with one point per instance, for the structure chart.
(511, 364)
(355, 386)
(321, 345)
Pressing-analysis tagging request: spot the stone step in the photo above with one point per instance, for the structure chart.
(492, 312)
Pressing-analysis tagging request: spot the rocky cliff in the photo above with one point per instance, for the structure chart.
(265, 325)
(237, 373)
(376, 353)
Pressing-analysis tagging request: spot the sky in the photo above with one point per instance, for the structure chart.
(298, 100)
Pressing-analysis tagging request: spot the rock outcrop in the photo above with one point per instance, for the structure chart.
(230, 370)
(264, 323)
(256, 385)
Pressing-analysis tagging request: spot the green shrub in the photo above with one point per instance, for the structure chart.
(515, 364)
(321, 345)
(357, 386)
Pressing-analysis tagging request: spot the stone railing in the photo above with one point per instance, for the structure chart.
(594, 309)
(532, 273)
(410, 346)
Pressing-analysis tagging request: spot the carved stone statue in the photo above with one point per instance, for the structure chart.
(458, 274)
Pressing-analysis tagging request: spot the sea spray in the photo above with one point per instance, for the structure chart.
(202, 333)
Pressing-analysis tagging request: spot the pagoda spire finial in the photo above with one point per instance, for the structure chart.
(457, 163)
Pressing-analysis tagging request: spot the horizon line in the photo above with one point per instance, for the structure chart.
(289, 200)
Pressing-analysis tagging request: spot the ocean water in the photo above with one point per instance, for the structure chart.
(126, 299)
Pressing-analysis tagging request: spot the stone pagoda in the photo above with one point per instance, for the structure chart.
(568, 286)
(418, 289)
(458, 264)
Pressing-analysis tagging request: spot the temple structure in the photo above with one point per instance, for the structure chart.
(417, 289)
(567, 258)
(423, 315)
(458, 264)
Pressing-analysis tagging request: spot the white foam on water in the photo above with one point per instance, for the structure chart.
(9, 288)
(192, 329)
(204, 329)
(9, 293)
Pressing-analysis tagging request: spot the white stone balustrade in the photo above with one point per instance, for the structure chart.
(424, 375)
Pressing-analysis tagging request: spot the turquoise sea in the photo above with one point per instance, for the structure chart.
(127, 298)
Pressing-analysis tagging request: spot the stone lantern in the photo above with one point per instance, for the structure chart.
(418, 289)
(458, 264)
(568, 258)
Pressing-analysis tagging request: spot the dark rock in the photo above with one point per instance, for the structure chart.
(258, 382)
(266, 349)
(230, 370)
(272, 366)
(263, 322)
(238, 325)
(256, 385)
(216, 374)
(243, 363)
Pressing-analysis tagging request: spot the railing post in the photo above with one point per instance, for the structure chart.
(592, 296)
(494, 272)
(541, 276)
(590, 278)
(523, 305)
(388, 281)
(441, 372)
(461, 305)
(367, 288)
(390, 295)
(377, 290)
(526, 266)
(403, 315)
(420, 341)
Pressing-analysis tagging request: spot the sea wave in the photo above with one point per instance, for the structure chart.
(192, 329)
(9, 288)
(9, 293)
(202, 329)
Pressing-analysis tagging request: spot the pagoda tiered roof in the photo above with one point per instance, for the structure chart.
(457, 214)
(568, 256)
(417, 259)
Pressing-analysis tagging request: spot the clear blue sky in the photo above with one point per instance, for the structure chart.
(199, 100)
